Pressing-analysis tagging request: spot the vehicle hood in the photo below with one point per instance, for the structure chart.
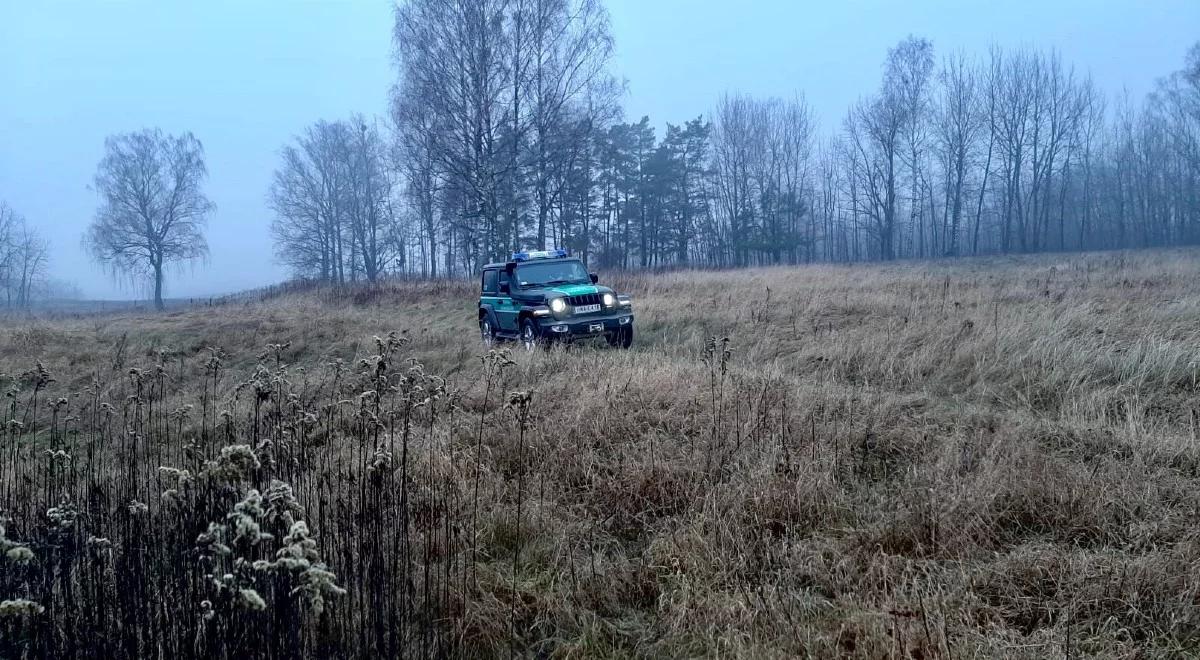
(543, 293)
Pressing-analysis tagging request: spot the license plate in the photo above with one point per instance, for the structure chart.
(596, 327)
(587, 309)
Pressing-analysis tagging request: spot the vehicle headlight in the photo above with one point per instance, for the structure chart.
(558, 305)
(609, 300)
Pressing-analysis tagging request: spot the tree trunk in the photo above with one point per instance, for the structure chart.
(987, 168)
(158, 281)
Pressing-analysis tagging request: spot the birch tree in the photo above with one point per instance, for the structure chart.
(153, 209)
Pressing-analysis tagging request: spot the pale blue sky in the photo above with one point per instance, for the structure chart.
(246, 75)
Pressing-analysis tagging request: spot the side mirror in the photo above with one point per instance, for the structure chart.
(504, 287)
(595, 277)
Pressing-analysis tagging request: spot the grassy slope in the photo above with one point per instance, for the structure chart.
(992, 457)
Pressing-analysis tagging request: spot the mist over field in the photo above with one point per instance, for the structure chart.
(586, 328)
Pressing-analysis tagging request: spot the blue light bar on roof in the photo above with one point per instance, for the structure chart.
(529, 255)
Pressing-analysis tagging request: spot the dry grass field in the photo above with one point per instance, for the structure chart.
(985, 458)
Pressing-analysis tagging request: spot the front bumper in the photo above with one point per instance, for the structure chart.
(585, 326)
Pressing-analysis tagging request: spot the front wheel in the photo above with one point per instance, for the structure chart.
(529, 334)
(621, 338)
(487, 333)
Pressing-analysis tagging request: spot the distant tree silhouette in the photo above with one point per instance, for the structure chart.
(152, 209)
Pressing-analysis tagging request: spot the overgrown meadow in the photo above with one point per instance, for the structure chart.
(987, 458)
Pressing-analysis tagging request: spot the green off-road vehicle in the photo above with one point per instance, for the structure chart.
(548, 295)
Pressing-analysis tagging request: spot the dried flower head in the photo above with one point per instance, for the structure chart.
(177, 477)
(212, 542)
(250, 599)
(19, 554)
(245, 517)
(235, 463)
(20, 607)
(58, 456)
(62, 516)
(282, 506)
(381, 462)
(98, 543)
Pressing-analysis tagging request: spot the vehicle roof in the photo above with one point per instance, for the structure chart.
(502, 264)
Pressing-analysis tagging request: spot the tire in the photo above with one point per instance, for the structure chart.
(622, 338)
(530, 336)
(486, 332)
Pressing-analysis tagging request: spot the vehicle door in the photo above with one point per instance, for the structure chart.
(506, 308)
(489, 294)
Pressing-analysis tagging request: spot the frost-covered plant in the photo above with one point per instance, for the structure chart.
(299, 550)
(282, 507)
(213, 541)
(316, 583)
(245, 517)
(381, 462)
(177, 477)
(299, 557)
(98, 543)
(20, 607)
(234, 464)
(179, 480)
(14, 551)
(249, 598)
(224, 547)
(62, 517)
(19, 554)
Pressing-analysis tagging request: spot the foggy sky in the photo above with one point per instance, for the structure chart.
(245, 76)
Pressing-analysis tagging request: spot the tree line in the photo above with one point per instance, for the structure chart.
(505, 131)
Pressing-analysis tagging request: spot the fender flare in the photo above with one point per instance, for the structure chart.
(527, 311)
(490, 313)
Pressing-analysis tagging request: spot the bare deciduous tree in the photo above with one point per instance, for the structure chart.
(332, 197)
(958, 126)
(152, 208)
(452, 61)
(874, 133)
(497, 108)
(24, 256)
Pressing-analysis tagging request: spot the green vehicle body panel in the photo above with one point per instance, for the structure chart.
(505, 310)
(575, 289)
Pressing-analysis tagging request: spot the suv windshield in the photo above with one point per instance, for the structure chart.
(552, 272)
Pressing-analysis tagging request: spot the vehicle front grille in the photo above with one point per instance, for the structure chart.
(586, 299)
